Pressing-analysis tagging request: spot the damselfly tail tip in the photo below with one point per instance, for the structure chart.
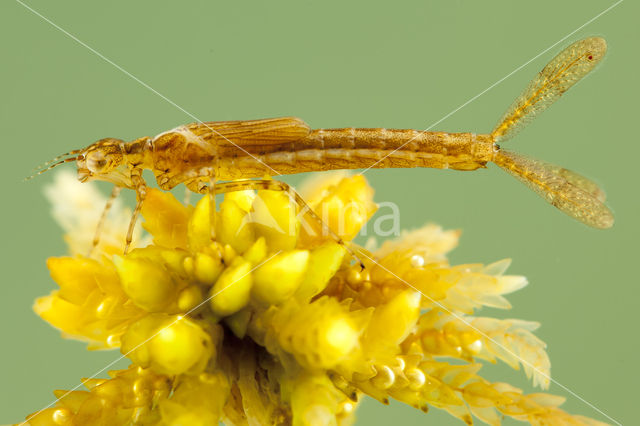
(607, 221)
(570, 192)
(596, 47)
(561, 73)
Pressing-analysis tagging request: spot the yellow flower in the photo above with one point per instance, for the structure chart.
(274, 321)
(91, 304)
(169, 344)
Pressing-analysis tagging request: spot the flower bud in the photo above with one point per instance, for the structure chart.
(146, 282)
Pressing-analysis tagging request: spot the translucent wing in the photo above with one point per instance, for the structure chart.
(565, 70)
(580, 181)
(570, 192)
(253, 132)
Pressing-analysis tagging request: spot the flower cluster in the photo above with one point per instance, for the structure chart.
(275, 323)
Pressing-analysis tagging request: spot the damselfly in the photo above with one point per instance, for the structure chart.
(243, 152)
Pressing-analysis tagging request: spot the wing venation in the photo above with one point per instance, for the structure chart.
(253, 132)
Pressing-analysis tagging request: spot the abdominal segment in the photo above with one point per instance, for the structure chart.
(335, 149)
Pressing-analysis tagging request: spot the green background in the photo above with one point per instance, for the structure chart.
(367, 64)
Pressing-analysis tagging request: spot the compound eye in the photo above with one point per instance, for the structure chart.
(96, 162)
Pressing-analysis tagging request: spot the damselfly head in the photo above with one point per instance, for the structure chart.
(104, 160)
(100, 158)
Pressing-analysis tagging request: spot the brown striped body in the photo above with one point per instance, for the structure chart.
(298, 149)
(335, 149)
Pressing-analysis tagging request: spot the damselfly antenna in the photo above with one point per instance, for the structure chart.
(48, 165)
(58, 158)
